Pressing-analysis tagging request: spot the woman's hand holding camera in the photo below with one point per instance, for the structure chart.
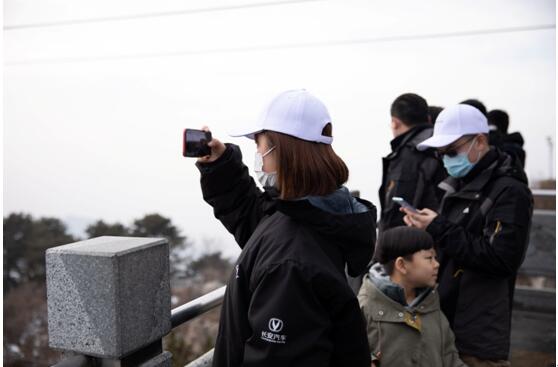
(217, 149)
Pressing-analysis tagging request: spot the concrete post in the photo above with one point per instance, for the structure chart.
(109, 297)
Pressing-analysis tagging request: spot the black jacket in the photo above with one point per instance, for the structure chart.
(482, 234)
(287, 301)
(410, 174)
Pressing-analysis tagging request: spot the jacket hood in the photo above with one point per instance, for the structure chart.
(394, 291)
(349, 222)
(515, 138)
(507, 166)
(339, 202)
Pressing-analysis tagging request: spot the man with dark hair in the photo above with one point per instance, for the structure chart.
(408, 173)
(477, 104)
(434, 111)
(481, 231)
(498, 121)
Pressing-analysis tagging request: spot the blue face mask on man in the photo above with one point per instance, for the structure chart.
(459, 165)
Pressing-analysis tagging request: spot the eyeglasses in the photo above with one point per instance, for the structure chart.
(452, 151)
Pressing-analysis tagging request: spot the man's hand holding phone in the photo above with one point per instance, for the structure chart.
(404, 204)
(419, 219)
(414, 217)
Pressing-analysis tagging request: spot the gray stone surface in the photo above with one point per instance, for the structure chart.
(108, 296)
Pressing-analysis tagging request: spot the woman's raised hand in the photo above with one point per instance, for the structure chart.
(217, 149)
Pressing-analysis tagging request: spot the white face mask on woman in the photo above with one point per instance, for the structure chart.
(265, 178)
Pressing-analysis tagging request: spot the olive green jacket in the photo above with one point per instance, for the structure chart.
(402, 336)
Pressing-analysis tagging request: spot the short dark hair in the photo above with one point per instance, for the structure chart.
(400, 241)
(434, 111)
(500, 119)
(410, 108)
(306, 168)
(477, 104)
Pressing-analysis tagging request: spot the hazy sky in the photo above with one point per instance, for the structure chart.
(94, 111)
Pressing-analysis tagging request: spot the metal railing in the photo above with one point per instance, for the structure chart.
(205, 360)
(193, 309)
(543, 192)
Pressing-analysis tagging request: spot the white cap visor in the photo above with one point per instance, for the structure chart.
(247, 132)
(438, 141)
(298, 133)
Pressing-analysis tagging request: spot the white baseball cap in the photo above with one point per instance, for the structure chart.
(453, 123)
(294, 112)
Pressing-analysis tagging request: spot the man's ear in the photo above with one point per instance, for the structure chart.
(396, 123)
(483, 140)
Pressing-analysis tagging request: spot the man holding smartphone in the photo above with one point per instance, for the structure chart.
(408, 173)
(481, 231)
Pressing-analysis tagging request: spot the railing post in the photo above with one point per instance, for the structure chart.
(109, 298)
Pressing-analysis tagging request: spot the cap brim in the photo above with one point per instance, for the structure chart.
(246, 132)
(438, 141)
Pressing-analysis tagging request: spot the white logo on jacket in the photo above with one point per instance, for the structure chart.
(275, 325)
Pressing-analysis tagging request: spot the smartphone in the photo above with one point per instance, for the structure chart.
(195, 143)
(404, 204)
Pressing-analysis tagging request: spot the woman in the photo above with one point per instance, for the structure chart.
(287, 301)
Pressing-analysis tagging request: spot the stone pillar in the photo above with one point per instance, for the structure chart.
(109, 297)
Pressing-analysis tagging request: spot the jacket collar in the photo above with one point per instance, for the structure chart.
(412, 138)
(386, 309)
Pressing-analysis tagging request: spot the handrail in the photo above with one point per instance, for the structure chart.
(543, 192)
(202, 361)
(196, 307)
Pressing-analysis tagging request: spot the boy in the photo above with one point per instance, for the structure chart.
(405, 325)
